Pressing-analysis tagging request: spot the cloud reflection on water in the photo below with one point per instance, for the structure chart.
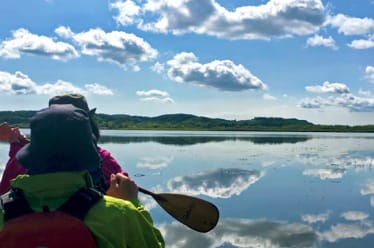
(346, 160)
(262, 233)
(359, 225)
(154, 162)
(220, 183)
(324, 174)
(243, 233)
(355, 215)
(346, 231)
(369, 190)
(314, 218)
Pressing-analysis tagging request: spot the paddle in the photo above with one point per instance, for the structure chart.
(196, 213)
(5, 131)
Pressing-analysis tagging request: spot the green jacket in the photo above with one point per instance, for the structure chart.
(114, 222)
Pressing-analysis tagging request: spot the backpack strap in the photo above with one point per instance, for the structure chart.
(80, 202)
(77, 205)
(17, 206)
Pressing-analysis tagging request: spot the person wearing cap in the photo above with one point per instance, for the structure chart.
(18, 140)
(59, 163)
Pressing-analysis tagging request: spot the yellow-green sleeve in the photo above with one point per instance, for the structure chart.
(126, 224)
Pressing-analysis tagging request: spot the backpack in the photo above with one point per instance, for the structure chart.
(48, 229)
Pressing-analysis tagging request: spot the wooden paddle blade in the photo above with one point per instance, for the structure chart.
(198, 214)
(5, 131)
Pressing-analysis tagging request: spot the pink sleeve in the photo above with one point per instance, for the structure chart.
(109, 165)
(12, 168)
(14, 148)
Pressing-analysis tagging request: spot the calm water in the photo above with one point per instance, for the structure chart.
(272, 189)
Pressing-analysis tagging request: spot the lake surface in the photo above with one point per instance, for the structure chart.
(272, 189)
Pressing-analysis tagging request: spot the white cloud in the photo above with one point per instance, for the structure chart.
(153, 92)
(276, 18)
(64, 32)
(157, 99)
(353, 103)
(127, 11)
(351, 25)
(345, 99)
(98, 89)
(21, 84)
(158, 67)
(60, 87)
(154, 96)
(24, 42)
(369, 71)
(313, 103)
(361, 44)
(219, 74)
(269, 97)
(328, 87)
(17, 83)
(349, 101)
(123, 49)
(318, 40)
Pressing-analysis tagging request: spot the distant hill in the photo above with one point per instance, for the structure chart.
(192, 122)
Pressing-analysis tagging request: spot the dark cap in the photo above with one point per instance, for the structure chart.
(61, 140)
(77, 100)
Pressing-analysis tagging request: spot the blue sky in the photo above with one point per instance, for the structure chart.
(305, 59)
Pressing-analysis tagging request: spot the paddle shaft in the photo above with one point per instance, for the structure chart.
(154, 195)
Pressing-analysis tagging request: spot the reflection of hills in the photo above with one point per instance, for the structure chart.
(279, 139)
(192, 140)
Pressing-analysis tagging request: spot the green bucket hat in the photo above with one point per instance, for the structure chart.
(77, 100)
(61, 140)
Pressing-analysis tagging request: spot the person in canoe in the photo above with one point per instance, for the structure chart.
(17, 140)
(61, 160)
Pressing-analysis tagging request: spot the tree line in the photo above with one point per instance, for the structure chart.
(192, 122)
